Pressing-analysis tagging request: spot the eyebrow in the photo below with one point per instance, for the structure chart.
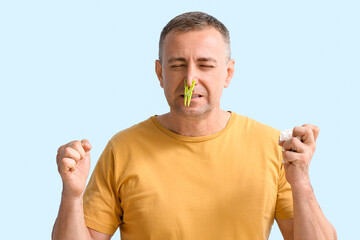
(180, 59)
(173, 59)
(206, 60)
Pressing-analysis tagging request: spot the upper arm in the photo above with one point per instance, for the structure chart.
(286, 227)
(99, 235)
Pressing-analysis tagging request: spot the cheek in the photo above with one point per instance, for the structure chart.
(169, 89)
(219, 91)
(219, 81)
(168, 80)
(216, 89)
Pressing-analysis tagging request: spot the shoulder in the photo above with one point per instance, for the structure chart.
(255, 128)
(265, 137)
(134, 134)
(120, 147)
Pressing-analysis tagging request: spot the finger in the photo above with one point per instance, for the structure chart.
(288, 156)
(305, 133)
(292, 157)
(71, 153)
(294, 144)
(77, 145)
(86, 145)
(67, 164)
(315, 130)
(61, 152)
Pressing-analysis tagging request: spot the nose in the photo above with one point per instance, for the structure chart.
(191, 76)
(189, 82)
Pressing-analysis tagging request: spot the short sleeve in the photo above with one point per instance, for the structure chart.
(102, 211)
(284, 202)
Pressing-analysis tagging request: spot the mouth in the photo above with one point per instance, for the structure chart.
(193, 96)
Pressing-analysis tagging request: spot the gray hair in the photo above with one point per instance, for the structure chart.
(194, 21)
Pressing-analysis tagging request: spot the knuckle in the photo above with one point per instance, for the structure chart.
(308, 130)
(68, 150)
(73, 143)
(296, 129)
(63, 161)
(307, 125)
(312, 127)
(77, 144)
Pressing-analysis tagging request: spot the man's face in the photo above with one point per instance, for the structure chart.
(195, 55)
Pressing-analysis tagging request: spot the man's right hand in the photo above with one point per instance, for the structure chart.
(73, 160)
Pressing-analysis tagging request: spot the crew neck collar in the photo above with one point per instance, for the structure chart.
(192, 139)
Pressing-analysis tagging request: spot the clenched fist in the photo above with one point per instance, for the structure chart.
(297, 153)
(73, 160)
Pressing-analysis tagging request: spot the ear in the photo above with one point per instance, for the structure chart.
(230, 72)
(158, 71)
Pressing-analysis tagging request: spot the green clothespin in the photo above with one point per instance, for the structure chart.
(188, 92)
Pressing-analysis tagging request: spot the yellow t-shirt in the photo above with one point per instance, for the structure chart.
(156, 184)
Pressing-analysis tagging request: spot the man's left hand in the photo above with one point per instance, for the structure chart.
(297, 154)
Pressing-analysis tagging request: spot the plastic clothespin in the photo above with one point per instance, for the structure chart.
(188, 92)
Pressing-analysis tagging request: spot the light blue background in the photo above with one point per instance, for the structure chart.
(85, 69)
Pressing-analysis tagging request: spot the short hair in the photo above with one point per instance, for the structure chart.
(194, 21)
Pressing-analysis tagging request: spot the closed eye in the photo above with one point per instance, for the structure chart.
(207, 66)
(176, 66)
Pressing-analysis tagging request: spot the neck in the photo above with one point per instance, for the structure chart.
(195, 126)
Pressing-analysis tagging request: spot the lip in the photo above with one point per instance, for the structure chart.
(193, 99)
(200, 95)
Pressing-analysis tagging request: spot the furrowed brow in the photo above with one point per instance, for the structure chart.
(179, 59)
(206, 60)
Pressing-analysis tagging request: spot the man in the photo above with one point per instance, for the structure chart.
(197, 172)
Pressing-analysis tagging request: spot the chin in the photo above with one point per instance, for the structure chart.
(191, 112)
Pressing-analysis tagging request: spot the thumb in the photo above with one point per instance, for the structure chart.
(86, 145)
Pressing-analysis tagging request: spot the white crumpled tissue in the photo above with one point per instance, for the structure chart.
(287, 134)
